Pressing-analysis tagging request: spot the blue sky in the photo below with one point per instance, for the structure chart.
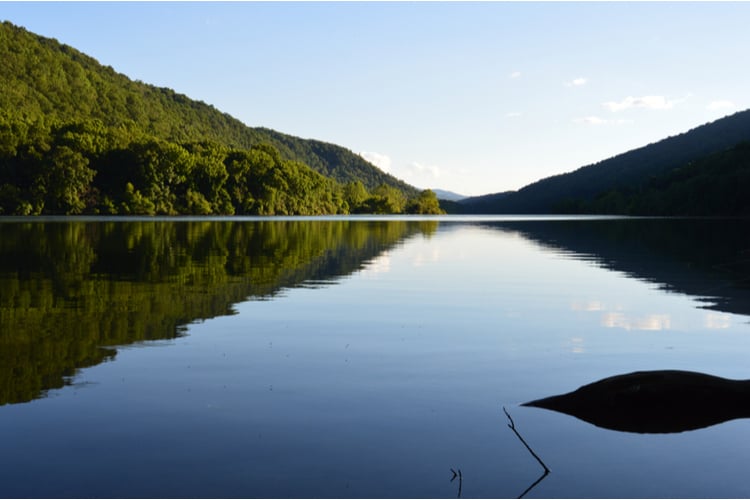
(471, 97)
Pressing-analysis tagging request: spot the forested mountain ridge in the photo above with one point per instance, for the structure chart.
(65, 117)
(575, 191)
(716, 185)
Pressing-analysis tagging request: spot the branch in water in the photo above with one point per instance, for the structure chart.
(460, 480)
(512, 427)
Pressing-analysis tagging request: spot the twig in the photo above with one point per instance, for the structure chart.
(544, 474)
(460, 480)
(512, 427)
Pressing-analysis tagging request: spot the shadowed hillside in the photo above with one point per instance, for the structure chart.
(573, 192)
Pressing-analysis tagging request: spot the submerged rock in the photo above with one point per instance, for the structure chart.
(663, 401)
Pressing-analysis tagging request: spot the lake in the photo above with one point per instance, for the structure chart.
(363, 357)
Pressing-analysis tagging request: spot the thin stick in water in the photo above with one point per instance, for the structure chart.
(512, 427)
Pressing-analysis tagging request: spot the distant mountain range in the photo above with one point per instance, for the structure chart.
(442, 194)
(636, 182)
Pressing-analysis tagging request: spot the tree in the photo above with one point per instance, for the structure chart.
(66, 181)
(355, 194)
(425, 203)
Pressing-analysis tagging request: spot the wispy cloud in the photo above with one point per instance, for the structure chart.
(577, 82)
(416, 169)
(647, 102)
(719, 105)
(590, 120)
(595, 120)
(383, 162)
(513, 114)
(515, 74)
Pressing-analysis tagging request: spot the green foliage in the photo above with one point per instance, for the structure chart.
(384, 200)
(73, 134)
(83, 167)
(426, 203)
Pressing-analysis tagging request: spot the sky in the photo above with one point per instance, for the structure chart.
(475, 98)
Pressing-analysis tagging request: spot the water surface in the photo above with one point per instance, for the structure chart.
(360, 357)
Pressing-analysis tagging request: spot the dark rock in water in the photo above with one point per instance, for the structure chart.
(661, 401)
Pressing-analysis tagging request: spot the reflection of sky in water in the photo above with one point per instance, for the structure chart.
(377, 384)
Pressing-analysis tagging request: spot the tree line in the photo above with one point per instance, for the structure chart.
(85, 167)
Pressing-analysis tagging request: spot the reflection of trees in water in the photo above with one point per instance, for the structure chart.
(705, 258)
(68, 288)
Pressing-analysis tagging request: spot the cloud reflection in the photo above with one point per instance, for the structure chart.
(377, 266)
(592, 305)
(577, 346)
(614, 317)
(648, 322)
(717, 321)
(424, 258)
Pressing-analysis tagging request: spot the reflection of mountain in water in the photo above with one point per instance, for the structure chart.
(69, 288)
(705, 258)
(655, 401)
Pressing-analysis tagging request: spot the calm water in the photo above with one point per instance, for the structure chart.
(360, 357)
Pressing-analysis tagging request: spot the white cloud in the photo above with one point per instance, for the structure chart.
(577, 82)
(515, 74)
(418, 174)
(718, 105)
(383, 162)
(513, 114)
(416, 169)
(647, 102)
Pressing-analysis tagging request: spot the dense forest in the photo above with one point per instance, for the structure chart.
(605, 185)
(72, 291)
(715, 185)
(77, 137)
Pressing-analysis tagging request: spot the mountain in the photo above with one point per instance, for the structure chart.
(55, 102)
(42, 77)
(478, 204)
(442, 194)
(631, 171)
(713, 185)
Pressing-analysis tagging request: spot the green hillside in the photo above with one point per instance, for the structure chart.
(78, 137)
(575, 191)
(714, 185)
